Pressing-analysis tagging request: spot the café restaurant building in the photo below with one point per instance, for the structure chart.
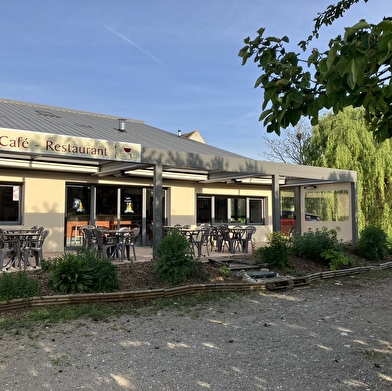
(62, 169)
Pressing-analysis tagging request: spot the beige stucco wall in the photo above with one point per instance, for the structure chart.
(43, 197)
(44, 201)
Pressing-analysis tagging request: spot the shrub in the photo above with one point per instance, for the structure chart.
(103, 271)
(82, 272)
(277, 253)
(46, 265)
(372, 244)
(174, 261)
(312, 244)
(337, 259)
(18, 285)
(71, 275)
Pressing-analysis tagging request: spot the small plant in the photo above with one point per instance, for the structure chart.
(18, 285)
(277, 253)
(46, 265)
(337, 259)
(174, 258)
(225, 271)
(373, 244)
(71, 275)
(82, 272)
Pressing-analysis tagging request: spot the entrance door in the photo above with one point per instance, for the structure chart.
(77, 214)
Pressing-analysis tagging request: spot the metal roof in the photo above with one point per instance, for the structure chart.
(55, 120)
(173, 152)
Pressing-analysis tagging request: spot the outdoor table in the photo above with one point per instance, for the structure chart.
(237, 235)
(123, 238)
(20, 244)
(233, 238)
(195, 237)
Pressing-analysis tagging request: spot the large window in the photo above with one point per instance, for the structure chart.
(328, 205)
(10, 210)
(233, 210)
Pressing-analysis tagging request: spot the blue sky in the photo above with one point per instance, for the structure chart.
(173, 64)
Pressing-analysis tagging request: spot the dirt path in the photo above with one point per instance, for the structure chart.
(333, 336)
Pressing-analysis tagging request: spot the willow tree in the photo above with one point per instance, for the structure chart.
(344, 141)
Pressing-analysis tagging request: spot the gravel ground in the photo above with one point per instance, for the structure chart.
(335, 335)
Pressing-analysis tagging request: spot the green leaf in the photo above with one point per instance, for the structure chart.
(259, 80)
(362, 24)
(297, 96)
(282, 82)
(331, 56)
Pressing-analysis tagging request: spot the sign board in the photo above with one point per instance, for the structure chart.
(61, 145)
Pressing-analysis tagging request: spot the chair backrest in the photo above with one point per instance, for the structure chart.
(206, 233)
(4, 243)
(37, 241)
(89, 237)
(42, 237)
(250, 230)
(134, 234)
(225, 232)
(100, 238)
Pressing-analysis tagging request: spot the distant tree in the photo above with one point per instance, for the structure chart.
(344, 141)
(290, 147)
(355, 71)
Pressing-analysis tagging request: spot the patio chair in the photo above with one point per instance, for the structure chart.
(203, 239)
(106, 246)
(90, 242)
(33, 247)
(6, 249)
(230, 241)
(249, 231)
(130, 242)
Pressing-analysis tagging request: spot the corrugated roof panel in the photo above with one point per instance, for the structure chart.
(48, 119)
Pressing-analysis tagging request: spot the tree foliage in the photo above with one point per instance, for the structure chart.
(355, 71)
(343, 141)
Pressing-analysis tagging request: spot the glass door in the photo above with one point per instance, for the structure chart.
(77, 214)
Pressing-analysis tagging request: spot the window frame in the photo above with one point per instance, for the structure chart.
(230, 200)
(12, 185)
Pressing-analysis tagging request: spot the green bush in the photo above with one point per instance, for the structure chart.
(46, 265)
(312, 244)
(82, 272)
(337, 259)
(372, 244)
(277, 253)
(18, 285)
(174, 261)
(71, 275)
(103, 271)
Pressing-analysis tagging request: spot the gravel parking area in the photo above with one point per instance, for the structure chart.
(335, 335)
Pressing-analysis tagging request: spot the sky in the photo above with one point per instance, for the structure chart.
(171, 63)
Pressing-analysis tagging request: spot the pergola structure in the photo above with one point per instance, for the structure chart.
(160, 155)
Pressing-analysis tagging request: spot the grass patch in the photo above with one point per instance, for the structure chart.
(27, 320)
